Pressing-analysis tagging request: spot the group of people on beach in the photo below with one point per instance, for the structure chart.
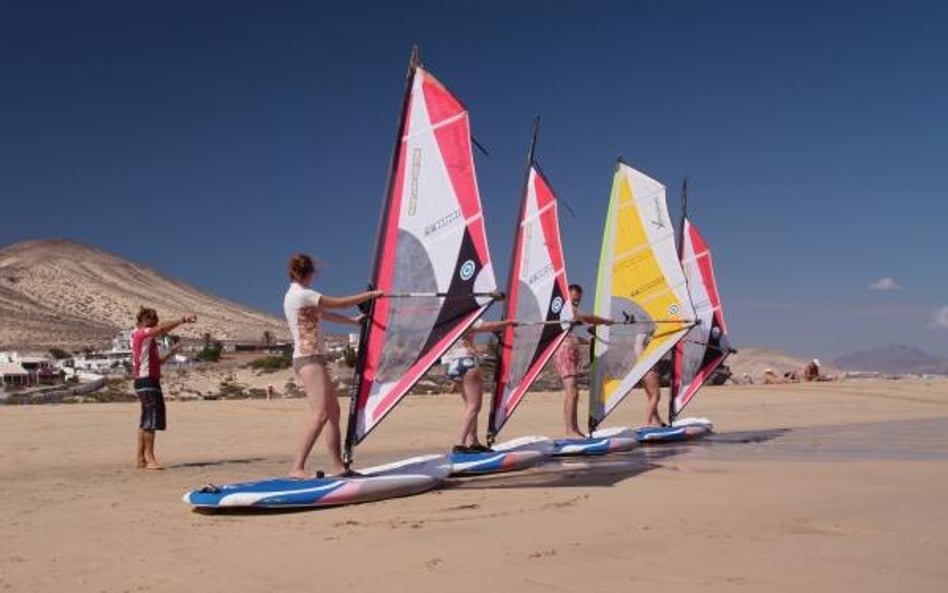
(811, 372)
(305, 309)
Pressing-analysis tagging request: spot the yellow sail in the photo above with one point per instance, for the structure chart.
(641, 287)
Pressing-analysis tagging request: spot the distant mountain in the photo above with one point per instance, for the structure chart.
(894, 359)
(65, 294)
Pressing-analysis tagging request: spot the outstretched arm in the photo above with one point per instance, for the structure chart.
(328, 302)
(593, 319)
(171, 352)
(166, 326)
(337, 318)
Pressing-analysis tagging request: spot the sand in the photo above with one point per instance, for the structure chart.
(826, 487)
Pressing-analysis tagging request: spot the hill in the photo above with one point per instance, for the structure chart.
(70, 295)
(894, 359)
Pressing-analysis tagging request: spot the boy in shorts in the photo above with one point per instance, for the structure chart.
(146, 372)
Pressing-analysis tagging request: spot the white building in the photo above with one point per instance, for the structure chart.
(122, 342)
(17, 370)
(13, 375)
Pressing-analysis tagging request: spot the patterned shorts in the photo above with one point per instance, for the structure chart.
(457, 368)
(153, 404)
(567, 358)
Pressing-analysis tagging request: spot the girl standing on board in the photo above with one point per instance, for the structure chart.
(304, 309)
(464, 368)
(146, 371)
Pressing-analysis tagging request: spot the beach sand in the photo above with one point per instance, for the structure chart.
(822, 487)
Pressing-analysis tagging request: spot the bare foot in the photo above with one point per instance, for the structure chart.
(575, 434)
(154, 465)
(140, 464)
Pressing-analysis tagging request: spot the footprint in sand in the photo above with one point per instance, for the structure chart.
(434, 564)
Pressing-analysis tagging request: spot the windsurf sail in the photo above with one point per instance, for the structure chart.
(536, 297)
(431, 254)
(641, 287)
(706, 345)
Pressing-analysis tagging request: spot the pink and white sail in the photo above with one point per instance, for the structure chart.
(706, 345)
(431, 254)
(536, 297)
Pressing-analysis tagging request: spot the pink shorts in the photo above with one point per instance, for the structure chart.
(567, 358)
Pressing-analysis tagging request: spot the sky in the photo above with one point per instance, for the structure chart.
(211, 140)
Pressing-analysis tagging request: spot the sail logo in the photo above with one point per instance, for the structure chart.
(443, 222)
(674, 309)
(415, 172)
(541, 274)
(659, 222)
(467, 270)
(556, 305)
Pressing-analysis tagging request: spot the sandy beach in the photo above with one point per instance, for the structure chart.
(814, 487)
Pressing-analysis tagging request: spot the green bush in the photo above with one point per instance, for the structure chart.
(211, 352)
(59, 353)
(270, 364)
(350, 356)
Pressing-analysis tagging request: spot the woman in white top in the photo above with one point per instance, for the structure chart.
(462, 365)
(304, 308)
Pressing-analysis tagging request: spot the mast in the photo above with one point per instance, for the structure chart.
(672, 391)
(512, 284)
(414, 62)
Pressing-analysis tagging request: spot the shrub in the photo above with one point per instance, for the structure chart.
(350, 356)
(59, 353)
(270, 364)
(211, 352)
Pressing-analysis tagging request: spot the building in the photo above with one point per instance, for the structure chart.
(122, 342)
(12, 375)
(100, 362)
(26, 371)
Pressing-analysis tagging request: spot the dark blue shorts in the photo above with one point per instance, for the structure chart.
(153, 404)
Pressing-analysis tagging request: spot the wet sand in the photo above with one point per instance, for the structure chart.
(818, 487)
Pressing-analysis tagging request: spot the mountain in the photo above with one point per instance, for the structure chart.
(894, 359)
(69, 295)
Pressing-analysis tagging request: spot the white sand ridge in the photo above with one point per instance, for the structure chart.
(66, 294)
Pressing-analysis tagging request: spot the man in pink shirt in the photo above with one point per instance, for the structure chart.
(146, 372)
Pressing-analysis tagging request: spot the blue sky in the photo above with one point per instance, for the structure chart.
(210, 140)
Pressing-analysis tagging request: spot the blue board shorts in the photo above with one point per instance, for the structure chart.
(153, 404)
(457, 368)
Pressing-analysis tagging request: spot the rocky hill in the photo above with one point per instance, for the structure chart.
(895, 359)
(69, 295)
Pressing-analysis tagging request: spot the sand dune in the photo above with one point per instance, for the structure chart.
(62, 293)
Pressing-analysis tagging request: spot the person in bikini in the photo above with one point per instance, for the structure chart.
(462, 365)
(146, 373)
(651, 382)
(566, 360)
(653, 394)
(304, 309)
